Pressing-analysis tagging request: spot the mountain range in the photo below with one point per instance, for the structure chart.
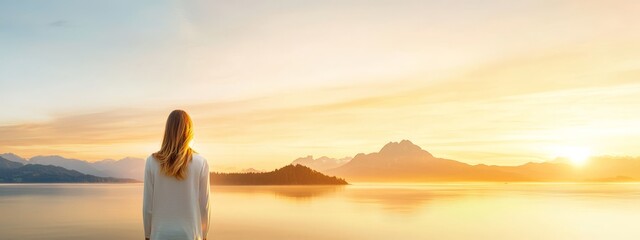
(395, 162)
(16, 172)
(123, 168)
(322, 163)
(406, 162)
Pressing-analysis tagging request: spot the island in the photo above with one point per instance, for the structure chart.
(287, 175)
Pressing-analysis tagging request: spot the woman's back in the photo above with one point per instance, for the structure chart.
(176, 209)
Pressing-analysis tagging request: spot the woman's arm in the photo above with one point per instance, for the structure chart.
(204, 188)
(147, 199)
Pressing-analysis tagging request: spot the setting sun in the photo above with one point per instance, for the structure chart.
(576, 155)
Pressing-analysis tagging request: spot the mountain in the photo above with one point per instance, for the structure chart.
(322, 163)
(68, 163)
(251, 170)
(6, 164)
(14, 158)
(12, 172)
(287, 175)
(124, 168)
(406, 162)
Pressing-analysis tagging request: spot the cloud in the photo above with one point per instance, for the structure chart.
(500, 112)
(59, 23)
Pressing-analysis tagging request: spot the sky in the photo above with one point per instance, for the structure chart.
(266, 82)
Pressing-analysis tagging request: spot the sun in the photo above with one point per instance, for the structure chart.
(578, 156)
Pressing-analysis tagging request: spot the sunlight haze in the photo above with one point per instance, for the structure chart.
(501, 83)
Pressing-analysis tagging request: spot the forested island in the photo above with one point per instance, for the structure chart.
(287, 175)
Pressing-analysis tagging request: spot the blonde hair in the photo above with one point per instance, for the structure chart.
(175, 152)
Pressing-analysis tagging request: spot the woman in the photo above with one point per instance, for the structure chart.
(176, 186)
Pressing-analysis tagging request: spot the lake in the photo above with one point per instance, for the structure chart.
(360, 211)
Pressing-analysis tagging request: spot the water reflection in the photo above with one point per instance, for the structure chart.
(401, 200)
(65, 189)
(70, 211)
(443, 211)
(296, 193)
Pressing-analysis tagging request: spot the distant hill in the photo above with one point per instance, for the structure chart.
(14, 158)
(13, 172)
(406, 162)
(604, 168)
(321, 163)
(123, 168)
(68, 163)
(6, 164)
(288, 175)
(251, 170)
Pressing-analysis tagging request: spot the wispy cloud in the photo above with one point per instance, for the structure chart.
(269, 83)
(59, 23)
(482, 115)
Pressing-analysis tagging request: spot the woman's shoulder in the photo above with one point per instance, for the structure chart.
(200, 161)
(150, 160)
(198, 158)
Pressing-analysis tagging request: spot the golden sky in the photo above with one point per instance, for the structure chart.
(499, 82)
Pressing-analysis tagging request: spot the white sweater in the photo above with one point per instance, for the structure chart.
(176, 209)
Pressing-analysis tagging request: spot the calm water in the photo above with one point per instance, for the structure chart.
(456, 211)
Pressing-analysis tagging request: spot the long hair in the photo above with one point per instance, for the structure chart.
(175, 152)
